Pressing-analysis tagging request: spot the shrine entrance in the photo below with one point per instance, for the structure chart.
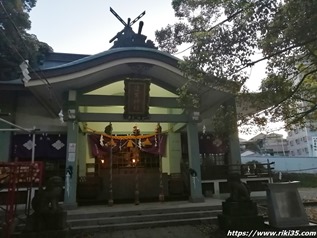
(126, 168)
(128, 160)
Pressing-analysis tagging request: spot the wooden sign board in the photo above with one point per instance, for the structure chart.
(136, 99)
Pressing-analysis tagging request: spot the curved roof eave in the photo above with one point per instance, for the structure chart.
(109, 56)
(110, 66)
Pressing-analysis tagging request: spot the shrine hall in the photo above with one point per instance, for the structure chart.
(111, 126)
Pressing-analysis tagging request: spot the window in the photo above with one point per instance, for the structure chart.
(291, 143)
(305, 138)
(297, 141)
(299, 151)
(306, 150)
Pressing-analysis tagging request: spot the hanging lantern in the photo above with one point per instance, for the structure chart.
(158, 129)
(108, 129)
(130, 144)
(136, 131)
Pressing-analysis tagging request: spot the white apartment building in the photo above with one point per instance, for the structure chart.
(302, 142)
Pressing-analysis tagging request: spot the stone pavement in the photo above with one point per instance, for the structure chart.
(182, 231)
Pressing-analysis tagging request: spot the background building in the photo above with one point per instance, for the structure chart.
(301, 142)
(272, 144)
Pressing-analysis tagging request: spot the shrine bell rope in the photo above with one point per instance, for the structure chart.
(127, 137)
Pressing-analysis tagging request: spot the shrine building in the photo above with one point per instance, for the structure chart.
(111, 126)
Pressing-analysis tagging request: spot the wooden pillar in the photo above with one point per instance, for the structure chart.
(70, 201)
(110, 199)
(5, 138)
(234, 159)
(194, 163)
(82, 153)
(7, 106)
(136, 156)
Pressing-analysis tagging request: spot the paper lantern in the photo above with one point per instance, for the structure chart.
(147, 142)
(130, 144)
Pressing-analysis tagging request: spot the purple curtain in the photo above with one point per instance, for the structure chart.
(158, 144)
(209, 144)
(48, 146)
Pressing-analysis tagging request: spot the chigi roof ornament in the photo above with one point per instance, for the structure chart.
(127, 37)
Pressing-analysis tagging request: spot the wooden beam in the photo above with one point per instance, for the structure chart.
(118, 117)
(177, 127)
(100, 100)
(110, 100)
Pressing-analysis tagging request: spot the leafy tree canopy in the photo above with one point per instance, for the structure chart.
(15, 43)
(227, 37)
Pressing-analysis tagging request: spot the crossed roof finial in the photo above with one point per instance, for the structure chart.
(128, 24)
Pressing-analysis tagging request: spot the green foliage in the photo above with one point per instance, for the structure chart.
(226, 36)
(224, 121)
(15, 43)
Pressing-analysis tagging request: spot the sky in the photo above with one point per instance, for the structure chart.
(74, 26)
(85, 27)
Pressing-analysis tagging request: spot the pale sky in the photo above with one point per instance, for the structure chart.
(74, 26)
(85, 27)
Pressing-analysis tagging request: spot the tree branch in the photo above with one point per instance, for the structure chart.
(276, 53)
(301, 115)
(296, 88)
(213, 27)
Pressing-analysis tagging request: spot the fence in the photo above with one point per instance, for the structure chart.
(287, 164)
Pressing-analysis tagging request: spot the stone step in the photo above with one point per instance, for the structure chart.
(108, 220)
(117, 217)
(144, 224)
(165, 216)
(114, 212)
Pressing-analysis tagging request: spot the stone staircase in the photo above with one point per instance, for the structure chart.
(134, 219)
(88, 219)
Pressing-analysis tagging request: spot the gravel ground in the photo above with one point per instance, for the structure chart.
(307, 195)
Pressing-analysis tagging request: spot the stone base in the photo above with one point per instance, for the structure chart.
(47, 221)
(241, 223)
(244, 208)
(241, 215)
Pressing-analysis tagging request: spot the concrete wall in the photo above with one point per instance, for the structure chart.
(26, 112)
(287, 164)
(174, 154)
(30, 113)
